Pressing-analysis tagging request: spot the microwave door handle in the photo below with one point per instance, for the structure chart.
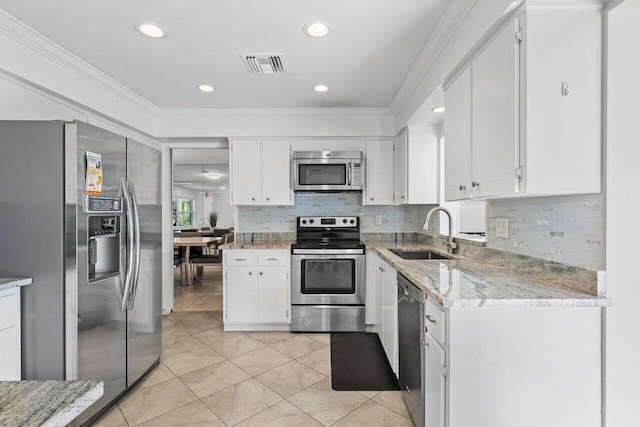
(349, 172)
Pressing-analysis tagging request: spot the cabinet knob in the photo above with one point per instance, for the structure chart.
(261, 273)
(462, 187)
(402, 197)
(372, 199)
(475, 184)
(253, 198)
(250, 273)
(267, 199)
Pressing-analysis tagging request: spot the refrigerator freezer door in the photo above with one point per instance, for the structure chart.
(145, 315)
(101, 343)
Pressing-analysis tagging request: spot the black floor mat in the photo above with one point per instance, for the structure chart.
(358, 363)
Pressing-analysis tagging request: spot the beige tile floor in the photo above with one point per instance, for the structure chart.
(203, 295)
(209, 377)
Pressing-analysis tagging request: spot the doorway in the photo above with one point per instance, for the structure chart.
(200, 212)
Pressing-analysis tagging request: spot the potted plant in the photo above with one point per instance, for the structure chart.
(213, 218)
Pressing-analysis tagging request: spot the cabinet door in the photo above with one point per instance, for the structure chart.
(495, 117)
(10, 355)
(435, 383)
(246, 172)
(240, 293)
(273, 294)
(390, 315)
(400, 168)
(276, 173)
(372, 303)
(457, 138)
(379, 173)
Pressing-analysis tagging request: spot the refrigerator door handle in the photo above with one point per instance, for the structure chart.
(136, 265)
(130, 245)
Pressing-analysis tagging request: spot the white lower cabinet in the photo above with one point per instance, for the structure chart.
(273, 291)
(10, 353)
(257, 290)
(381, 309)
(513, 366)
(435, 359)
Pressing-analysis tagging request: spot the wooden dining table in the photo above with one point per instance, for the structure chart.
(188, 243)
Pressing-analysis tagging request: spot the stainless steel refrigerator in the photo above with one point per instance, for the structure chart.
(94, 308)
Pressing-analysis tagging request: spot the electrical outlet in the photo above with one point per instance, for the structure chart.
(502, 228)
(378, 219)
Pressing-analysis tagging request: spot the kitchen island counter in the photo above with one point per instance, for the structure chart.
(45, 403)
(465, 282)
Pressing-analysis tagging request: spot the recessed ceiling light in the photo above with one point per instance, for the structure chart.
(212, 176)
(222, 188)
(439, 109)
(316, 29)
(149, 29)
(206, 88)
(321, 88)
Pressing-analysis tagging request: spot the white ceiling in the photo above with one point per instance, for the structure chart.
(364, 60)
(190, 163)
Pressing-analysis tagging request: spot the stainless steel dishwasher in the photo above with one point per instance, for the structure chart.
(411, 302)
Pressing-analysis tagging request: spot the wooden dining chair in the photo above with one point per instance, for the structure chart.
(212, 259)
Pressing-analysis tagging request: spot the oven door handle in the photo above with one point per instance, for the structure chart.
(328, 252)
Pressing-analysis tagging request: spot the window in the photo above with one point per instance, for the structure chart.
(183, 212)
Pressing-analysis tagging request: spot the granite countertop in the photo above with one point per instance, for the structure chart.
(8, 282)
(462, 282)
(45, 403)
(265, 244)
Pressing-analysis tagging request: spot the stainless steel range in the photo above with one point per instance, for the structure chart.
(328, 275)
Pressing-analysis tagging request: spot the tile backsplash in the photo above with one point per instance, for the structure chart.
(270, 219)
(566, 229)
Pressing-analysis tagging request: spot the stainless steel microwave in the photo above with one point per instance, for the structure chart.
(327, 170)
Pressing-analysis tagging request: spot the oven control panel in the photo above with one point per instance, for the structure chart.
(327, 221)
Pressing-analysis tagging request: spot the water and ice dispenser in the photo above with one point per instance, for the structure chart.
(103, 246)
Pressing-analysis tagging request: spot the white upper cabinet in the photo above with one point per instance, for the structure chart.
(378, 189)
(523, 113)
(246, 172)
(260, 172)
(457, 138)
(416, 166)
(276, 173)
(494, 111)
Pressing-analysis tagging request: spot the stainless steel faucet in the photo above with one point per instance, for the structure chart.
(450, 243)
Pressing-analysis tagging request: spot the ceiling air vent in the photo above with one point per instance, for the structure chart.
(264, 63)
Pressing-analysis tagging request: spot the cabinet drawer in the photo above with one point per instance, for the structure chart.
(435, 321)
(273, 257)
(241, 257)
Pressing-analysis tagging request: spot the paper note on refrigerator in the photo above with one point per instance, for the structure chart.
(94, 173)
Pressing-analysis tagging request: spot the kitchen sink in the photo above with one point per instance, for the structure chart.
(418, 254)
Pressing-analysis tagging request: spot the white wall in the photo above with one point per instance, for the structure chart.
(220, 203)
(623, 209)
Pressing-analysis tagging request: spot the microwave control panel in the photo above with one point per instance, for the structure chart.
(357, 174)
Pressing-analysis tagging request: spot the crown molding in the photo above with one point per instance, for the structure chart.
(361, 112)
(277, 122)
(449, 23)
(53, 54)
